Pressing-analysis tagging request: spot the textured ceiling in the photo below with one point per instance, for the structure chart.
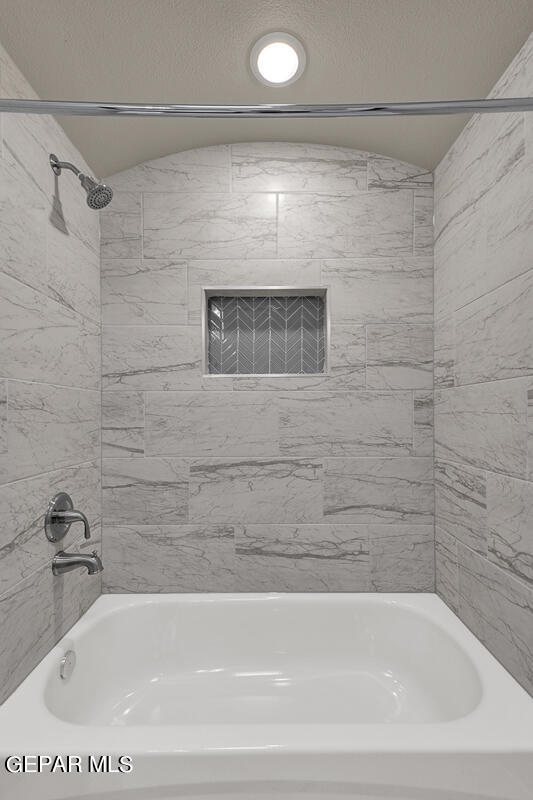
(196, 51)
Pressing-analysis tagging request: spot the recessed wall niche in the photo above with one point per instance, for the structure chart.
(265, 331)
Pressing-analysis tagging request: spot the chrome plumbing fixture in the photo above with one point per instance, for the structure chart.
(98, 194)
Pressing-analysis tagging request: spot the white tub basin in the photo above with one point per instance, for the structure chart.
(275, 696)
(264, 660)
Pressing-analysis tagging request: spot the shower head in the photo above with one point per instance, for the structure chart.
(98, 194)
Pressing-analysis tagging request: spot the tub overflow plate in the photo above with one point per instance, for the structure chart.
(67, 664)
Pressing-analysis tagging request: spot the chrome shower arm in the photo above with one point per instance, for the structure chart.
(58, 165)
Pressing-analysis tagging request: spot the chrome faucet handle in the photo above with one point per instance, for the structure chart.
(60, 516)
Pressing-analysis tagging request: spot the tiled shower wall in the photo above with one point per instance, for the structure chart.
(254, 484)
(484, 376)
(49, 381)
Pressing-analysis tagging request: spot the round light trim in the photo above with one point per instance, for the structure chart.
(277, 59)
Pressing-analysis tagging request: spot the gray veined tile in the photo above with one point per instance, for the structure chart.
(74, 272)
(377, 223)
(377, 490)
(150, 491)
(402, 559)
(155, 358)
(122, 424)
(366, 290)
(423, 427)
(43, 341)
(499, 610)
(494, 334)
(209, 226)
(510, 523)
(483, 425)
(49, 427)
(461, 504)
(399, 356)
(530, 432)
(423, 222)
(255, 490)
(23, 218)
(388, 173)
(121, 226)
(249, 272)
(444, 355)
(151, 292)
(23, 545)
(288, 167)
(446, 568)
(346, 423)
(302, 558)
(206, 169)
(35, 614)
(13, 84)
(3, 416)
(169, 558)
(211, 423)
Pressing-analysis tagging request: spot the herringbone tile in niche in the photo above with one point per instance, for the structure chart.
(274, 335)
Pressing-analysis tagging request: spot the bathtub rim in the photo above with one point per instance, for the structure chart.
(502, 722)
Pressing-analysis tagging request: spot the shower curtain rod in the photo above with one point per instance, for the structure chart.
(271, 110)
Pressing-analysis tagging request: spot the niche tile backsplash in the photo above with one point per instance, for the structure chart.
(273, 335)
(301, 465)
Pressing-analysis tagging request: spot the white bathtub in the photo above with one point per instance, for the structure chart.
(272, 696)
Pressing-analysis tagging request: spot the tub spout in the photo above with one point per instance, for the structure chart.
(64, 562)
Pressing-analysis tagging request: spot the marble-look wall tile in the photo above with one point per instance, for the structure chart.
(137, 291)
(122, 424)
(257, 490)
(402, 559)
(447, 568)
(78, 289)
(288, 167)
(510, 518)
(377, 490)
(530, 431)
(499, 609)
(22, 228)
(378, 223)
(34, 614)
(399, 356)
(169, 558)
(346, 424)
(157, 358)
(254, 446)
(304, 558)
(209, 423)
(151, 491)
(423, 222)
(23, 545)
(251, 272)
(444, 353)
(494, 334)
(206, 169)
(461, 503)
(49, 426)
(423, 428)
(43, 341)
(387, 173)
(483, 425)
(121, 226)
(209, 226)
(3, 416)
(483, 364)
(380, 290)
(50, 429)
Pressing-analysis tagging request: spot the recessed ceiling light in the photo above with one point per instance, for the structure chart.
(277, 59)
